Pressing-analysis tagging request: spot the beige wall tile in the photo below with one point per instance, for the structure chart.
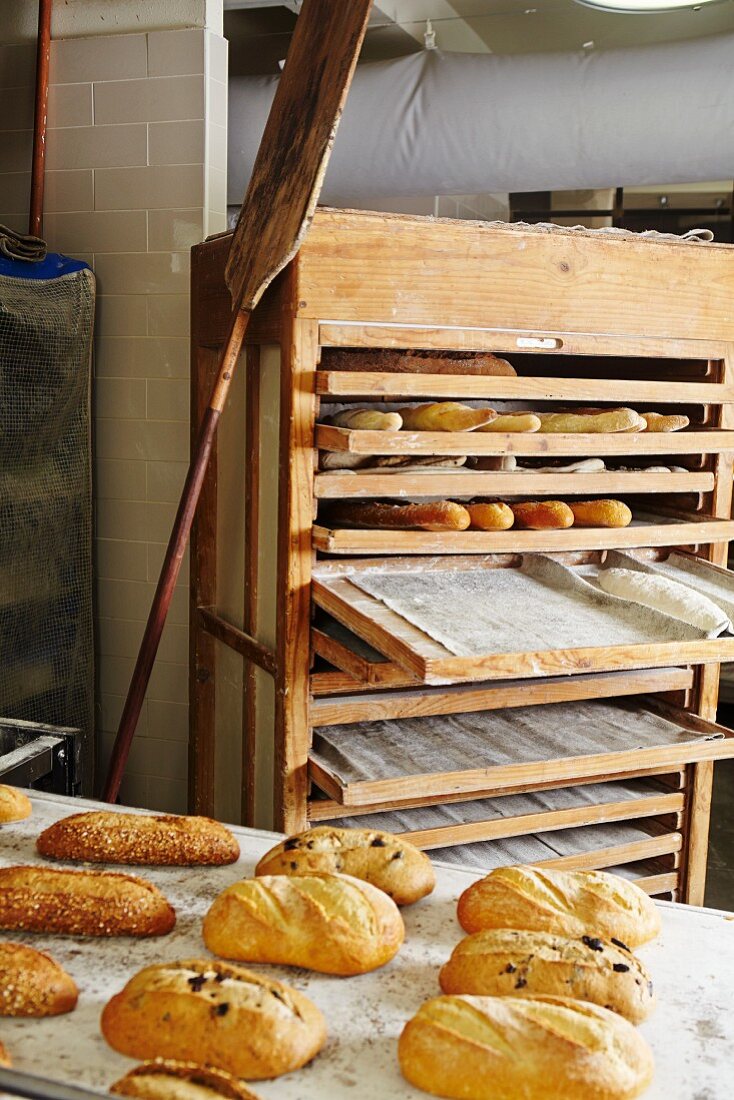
(218, 147)
(17, 110)
(166, 759)
(121, 561)
(162, 100)
(134, 790)
(132, 600)
(168, 314)
(217, 106)
(168, 399)
(121, 315)
(174, 229)
(217, 56)
(169, 721)
(123, 520)
(72, 190)
(169, 683)
(164, 480)
(171, 53)
(121, 638)
(17, 65)
(120, 479)
(158, 187)
(111, 712)
(15, 151)
(217, 190)
(169, 796)
(69, 105)
(103, 57)
(150, 439)
(176, 142)
(147, 357)
(112, 231)
(120, 398)
(15, 189)
(142, 273)
(160, 521)
(97, 146)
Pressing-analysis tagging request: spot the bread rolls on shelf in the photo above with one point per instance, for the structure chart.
(600, 513)
(81, 903)
(440, 515)
(335, 924)
(5, 1059)
(445, 416)
(540, 515)
(513, 422)
(14, 805)
(33, 984)
(490, 517)
(398, 361)
(657, 422)
(566, 903)
(164, 840)
(169, 1080)
(216, 1014)
(512, 962)
(370, 420)
(390, 863)
(522, 1048)
(592, 421)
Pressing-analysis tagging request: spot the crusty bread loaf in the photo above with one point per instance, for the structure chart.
(445, 416)
(439, 515)
(391, 864)
(216, 1014)
(569, 903)
(580, 420)
(343, 460)
(33, 984)
(513, 422)
(385, 360)
(370, 420)
(14, 804)
(491, 517)
(540, 515)
(335, 924)
(657, 422)
(600, 513)
(4, 1057)
(513, 962)
(169, 1080)
(103, 836)
(522, 1048)
(82, 903)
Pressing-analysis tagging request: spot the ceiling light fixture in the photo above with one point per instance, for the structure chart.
(644, 7)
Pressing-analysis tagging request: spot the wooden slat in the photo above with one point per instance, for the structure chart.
(340, 655)
(664, 883)
(618, 854)
(237, 640)
(380, 676)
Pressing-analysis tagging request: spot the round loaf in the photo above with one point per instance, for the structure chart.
(167, 1080)
(389, 863)
(215, 1014)
(82, 903)
(568, 903)
(4, 1057)
(33, 984)
(335, 924)
(14, 804)
(509, 962)
(166, 840)
(522, 1048)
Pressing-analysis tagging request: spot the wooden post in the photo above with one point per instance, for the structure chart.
(252, 551)
(40, 118)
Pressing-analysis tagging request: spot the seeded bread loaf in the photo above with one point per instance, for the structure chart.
(335, 924)
(14, 804)
(567, 903)
(510, 962)
(103, 836)
(393, 865)
(217, 1015)
(522, 1048)
(167, 1080)
(4, 1057)
(33, 984)
(81, 903)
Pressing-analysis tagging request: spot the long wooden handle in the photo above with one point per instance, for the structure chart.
(174, 556)
(38, 161)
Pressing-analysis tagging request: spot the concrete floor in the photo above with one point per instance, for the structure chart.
(720, 878)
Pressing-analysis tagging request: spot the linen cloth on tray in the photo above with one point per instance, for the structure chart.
(699, 575)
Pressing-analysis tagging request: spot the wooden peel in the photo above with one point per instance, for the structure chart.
(278, 208)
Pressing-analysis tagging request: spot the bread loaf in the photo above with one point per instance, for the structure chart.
(335, 924)
(513, 422)
(168, 1080)
(600, 513)
(14, 804)
(512, 962)
(33, 984)
(343, 460)
(518, 1048)
(410, 462)
(370, 420)
(611, 420)
(216, 1014)
(656, 422)
(4, 1057)
(440, 515)
(81, 903)
(567, 903)
(543, 514)
(445, 416)
(392, 865)
(103, 836)
(385, 360)
(491, 517)
(665, 595)
(583, 466)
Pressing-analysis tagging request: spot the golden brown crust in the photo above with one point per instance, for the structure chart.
(14, 805)
(169, 1080)
(5, 1059)
(82, 903)
(102, 836)
(33, 984)
(491, 517)
(600, 513)
(445, 416)
(369, 420)
(391, 864)
(513, 962)
(568, 903)
(657, 422)
(592, 420)
(214, 1013)
(513, 422)
(440, 515)
(543, 514)
(414, 362)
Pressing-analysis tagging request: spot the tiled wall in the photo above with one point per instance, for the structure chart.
(136, 168)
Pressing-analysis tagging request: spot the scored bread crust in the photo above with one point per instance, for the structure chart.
(169, 1080)
(82, 903)
(5, 1059)
(214, 1013)
(101, 836)
(569, 903)
(391, 864)
(14, 804)
(445, 416)
(335, 924)
(33, 984)
(517, 1048)
(513, 962)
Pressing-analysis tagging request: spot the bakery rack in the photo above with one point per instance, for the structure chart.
(313, 700)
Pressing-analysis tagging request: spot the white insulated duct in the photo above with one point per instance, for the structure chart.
(442, 124)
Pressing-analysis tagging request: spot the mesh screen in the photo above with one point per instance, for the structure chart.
(46, 641)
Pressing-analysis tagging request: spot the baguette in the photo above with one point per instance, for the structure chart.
(390, 863)
(166, 841)
(216, 1014)
(540, 515)
(600, 513)
(491, 517)
(440, 515)
(33, 984)
(385, 360)
(334, 924)
(610, 420)
(445, 416)
(518, 1048)
(657, 422)
(81, 903)
(5, 1059)
(513, 422)
(509, 962)
(14, 805)
(566, 903)
(168, 1080)
(370, 420)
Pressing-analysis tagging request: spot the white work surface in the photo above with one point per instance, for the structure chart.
(692, 963)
